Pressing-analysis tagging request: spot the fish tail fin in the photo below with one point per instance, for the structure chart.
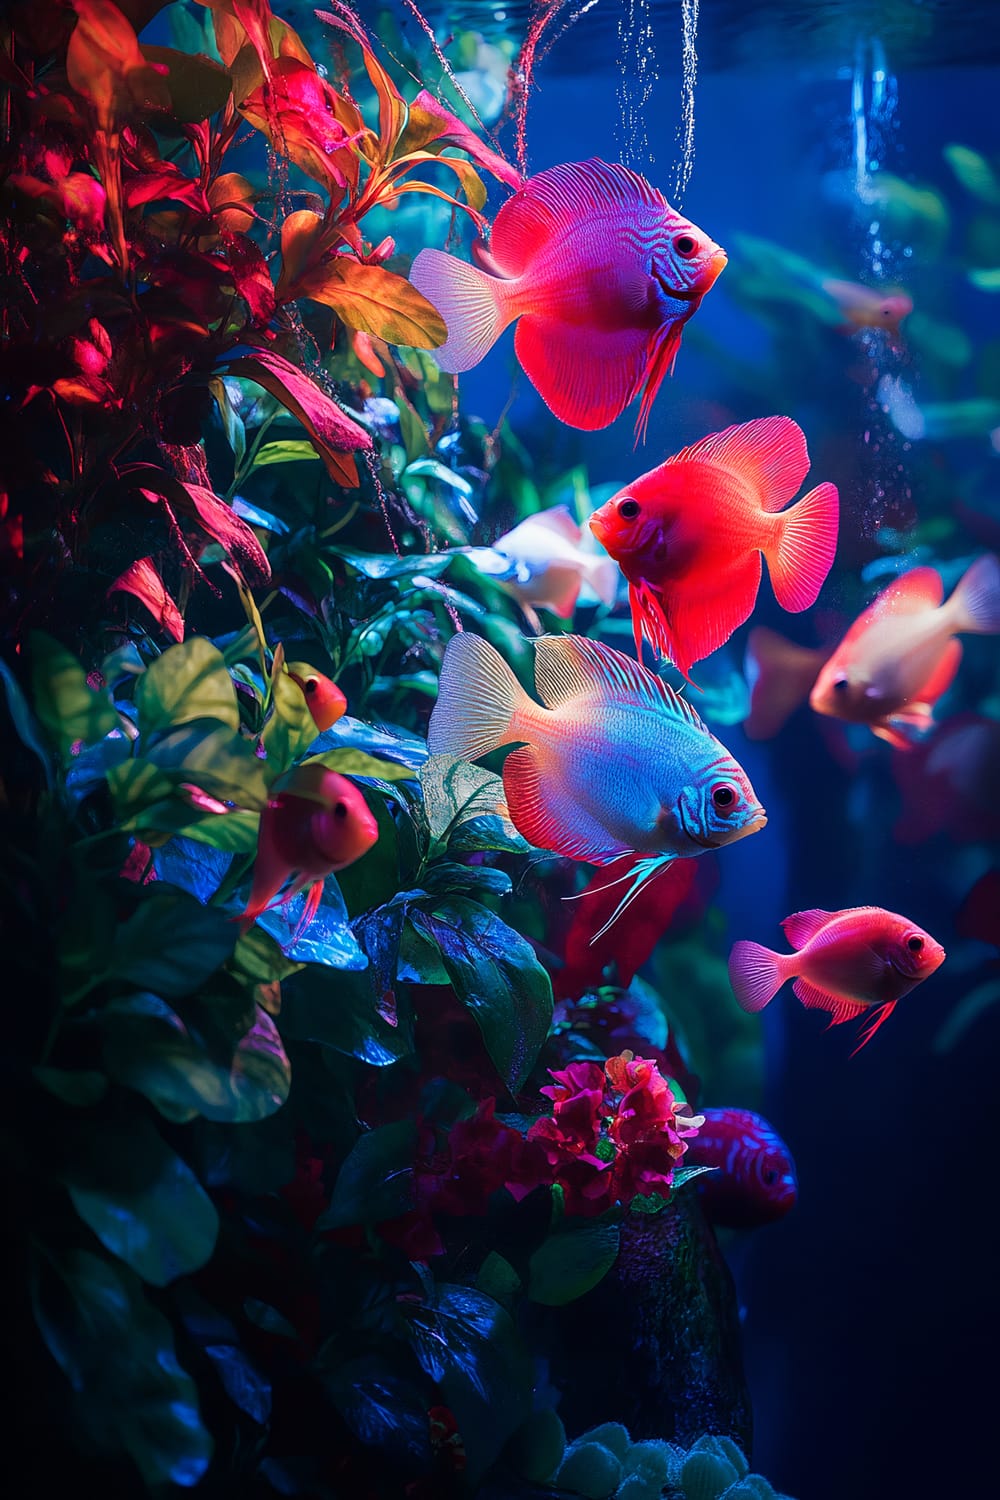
(601, 574)
(802, 553)
(779, 675)
(474, 306)
(975, 604)
(478, 697)
(756, 975)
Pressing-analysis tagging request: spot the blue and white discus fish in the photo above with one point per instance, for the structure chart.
(615, 763)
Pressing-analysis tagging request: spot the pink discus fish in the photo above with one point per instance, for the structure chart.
(615, 762)
(864, 307)
(847, 962)
(754, 1181)
(602, 274)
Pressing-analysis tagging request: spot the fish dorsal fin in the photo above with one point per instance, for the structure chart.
(557, 201)
(920, 588)
(769, 454)
(803, 925)
(556, 519)
(571, 666)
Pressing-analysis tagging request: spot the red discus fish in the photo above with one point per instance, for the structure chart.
(900, 656)
(326, 702)
(754, 1182)
(689, 536)
(847, 962)
(602, 274)
(316, 824)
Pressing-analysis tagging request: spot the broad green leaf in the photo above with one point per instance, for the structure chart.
(339, 1010)
(497, 978)
(572, 1260)
(117, 1352)
(189, 681)
(141, 1200)
(384, 1411)
(172, 943)
(149, 1049)
(455, 792)
(257, 959)
(358, 763)
(68, 708)
(290, 729)
(375, 1182)
(375, 301)
(288, 451)
(210, 757)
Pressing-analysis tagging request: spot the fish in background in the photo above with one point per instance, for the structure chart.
(900, 656)
(325, 700)
(949, 782)
(868, 307)
(754, 1181)
(850, 963)
(553, 564)
(938, 421)
(601, 275)
(768, 272)
(317, 823)
(689, 536)
(780, 676)
(614, 764)
(979, 914)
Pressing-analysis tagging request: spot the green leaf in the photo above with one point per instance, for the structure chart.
(197, 85)
(117, 1351)
(212, 758)
(497, 977)
(142, 1202)
(572, 1260)
(77, 1088)
(188, 681)
(288, 451)
(455, 792)
(341, 1010)
(257, 959)
(149, 1049)
(385, 1411)
(66, 706)
(359, 763)
(232, 423)
(291, 728)
(172, 943)
(376, 1180)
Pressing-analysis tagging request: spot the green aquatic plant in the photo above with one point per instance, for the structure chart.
(605, 1464)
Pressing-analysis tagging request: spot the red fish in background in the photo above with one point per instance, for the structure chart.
(780, 676)
(754, 1182)
(979, 914)
(864, 307)
(900, 656)
(674, 897)
(689, 536)
(602, 275)
(949, 782)
(326, 702)
(862, 959)
(316, 824)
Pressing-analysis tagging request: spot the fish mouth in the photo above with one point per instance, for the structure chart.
(717, 263)
(599, 525)
(754, 825)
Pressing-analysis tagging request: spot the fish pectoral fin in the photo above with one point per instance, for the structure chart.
(705, 610)
(813, 997)
(892, 731)
(549, 816)
(642, 872)
(877, 1018)
(585, 376)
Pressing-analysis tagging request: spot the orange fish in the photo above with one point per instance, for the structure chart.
(326, 702)
(602, 274)
(847, 962)
(864, 307)
(316, 824)
(900, 656)
(689, 535)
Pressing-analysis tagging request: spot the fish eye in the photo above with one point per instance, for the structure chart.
(310, 685)
(769, 1176)
(915, 944)
(723, 797)
(629, 509)
(340, 809)
(685, 244)
(840, 684)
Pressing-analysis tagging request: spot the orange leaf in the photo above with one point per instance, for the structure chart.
(226, 197)
(301, 243)
(105, 65)
(296, 113)
(142, 580)
(472, 183)
(429, 121)
(375, 301)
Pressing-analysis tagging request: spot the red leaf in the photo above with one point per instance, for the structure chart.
(167, 181)
(430, 121)
(142, 580)
(251, 277)
(212, 514)
(104, 64)
(297, 113)
(331, 431)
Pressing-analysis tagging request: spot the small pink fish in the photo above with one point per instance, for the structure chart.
(602, 275)
(847, 962)
(754, 1182)
(865, 307)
